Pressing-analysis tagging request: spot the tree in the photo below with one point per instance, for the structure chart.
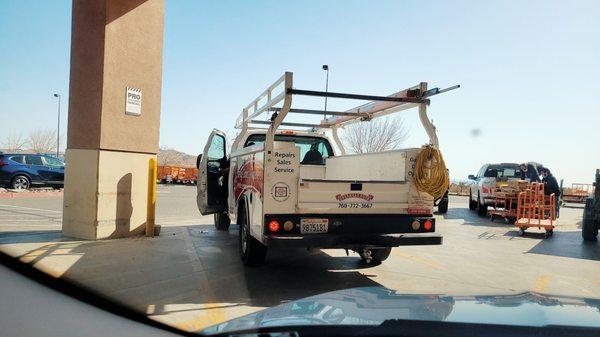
(14, 142)
(42, 141)
(375, 136)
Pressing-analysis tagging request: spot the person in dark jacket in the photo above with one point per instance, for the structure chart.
(313, 156)
(551, 186)
(529, 172)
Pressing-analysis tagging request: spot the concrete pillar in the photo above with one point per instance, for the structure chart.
(115, 45)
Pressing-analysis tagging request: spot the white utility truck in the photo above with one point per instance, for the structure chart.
(294, 188)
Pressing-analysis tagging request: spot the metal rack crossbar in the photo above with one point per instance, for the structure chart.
(320, 112)
(305, 125)
(358, 96)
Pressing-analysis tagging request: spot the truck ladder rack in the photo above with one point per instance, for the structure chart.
(379, 106)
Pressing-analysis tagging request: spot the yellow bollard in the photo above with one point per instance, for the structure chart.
(150, 210)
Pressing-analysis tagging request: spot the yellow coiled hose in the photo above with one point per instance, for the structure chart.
(430, 174)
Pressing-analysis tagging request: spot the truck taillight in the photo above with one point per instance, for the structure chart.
(273, 226)
(427, 225)
(485, 188)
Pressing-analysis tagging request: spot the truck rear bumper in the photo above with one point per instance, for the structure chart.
(351, 241)
(360, 223)
(354, 231)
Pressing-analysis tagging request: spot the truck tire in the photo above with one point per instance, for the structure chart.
(222, 221)
(252, 252)
(443, 205)
(481, 208)
(589, 229)
(20, 182)
(378, 255)
(472, 204)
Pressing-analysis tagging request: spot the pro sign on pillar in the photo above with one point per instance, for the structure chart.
(133, 102)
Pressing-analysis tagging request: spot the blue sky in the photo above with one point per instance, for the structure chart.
(529, 71)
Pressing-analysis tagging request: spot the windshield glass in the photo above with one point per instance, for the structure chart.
(432, 160)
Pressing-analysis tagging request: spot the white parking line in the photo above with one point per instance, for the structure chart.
(32, 209)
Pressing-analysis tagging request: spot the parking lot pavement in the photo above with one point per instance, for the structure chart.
(176, 206)
(191, 276)
(30, 214)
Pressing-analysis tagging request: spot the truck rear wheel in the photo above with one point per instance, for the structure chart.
(589, 229)
(443, 205)
(222, 221)
(481, 208)
(374, 255)
(472, 204)
(252, 252)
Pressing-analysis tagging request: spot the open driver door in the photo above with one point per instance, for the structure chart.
(213, 170)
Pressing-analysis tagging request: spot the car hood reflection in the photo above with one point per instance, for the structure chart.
(373, 305)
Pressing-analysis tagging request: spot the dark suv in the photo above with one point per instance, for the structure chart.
(21, 171)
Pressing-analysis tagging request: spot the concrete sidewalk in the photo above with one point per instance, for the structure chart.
(189, 277)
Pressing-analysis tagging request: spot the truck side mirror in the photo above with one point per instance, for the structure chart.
(198, 161)
(471, 177)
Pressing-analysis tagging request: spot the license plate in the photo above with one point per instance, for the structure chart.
(310, 226)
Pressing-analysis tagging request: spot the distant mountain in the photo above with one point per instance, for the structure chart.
(168, 156)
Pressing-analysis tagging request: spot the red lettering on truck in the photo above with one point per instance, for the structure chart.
(367, 197)
(249, 176)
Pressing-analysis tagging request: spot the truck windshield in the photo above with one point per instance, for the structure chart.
(309, 146)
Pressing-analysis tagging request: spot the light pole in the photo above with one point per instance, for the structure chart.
(58, 128)
(326, 68)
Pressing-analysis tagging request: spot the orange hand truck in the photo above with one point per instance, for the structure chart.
(504, 206)
(535, 209)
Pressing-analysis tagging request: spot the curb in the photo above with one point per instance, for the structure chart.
(44, 194)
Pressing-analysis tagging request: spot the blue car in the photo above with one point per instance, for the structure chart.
(22, 171)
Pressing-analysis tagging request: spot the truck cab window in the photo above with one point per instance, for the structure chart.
(217, 148)
(502, 171)
(508, 172)
(313, 150)
(313, 156)
(491, 173)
